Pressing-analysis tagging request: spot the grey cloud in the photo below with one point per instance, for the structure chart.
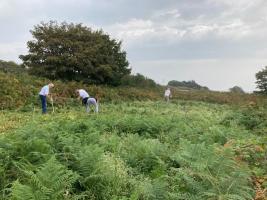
(217, 74)
(191, 32)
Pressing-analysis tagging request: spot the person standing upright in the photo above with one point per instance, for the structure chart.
(44, 93)
(167, 94)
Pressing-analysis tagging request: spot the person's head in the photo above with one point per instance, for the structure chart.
(77, 91)
(50, 85)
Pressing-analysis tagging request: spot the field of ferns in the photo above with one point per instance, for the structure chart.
(149, 150)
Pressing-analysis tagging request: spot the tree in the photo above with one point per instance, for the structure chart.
(11, 67)
(188, 84)
(75, 52)
(138, 80)
(237, 89)
(261, 82)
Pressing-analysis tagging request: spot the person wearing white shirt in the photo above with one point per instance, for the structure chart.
(87, 100)
(167, 94)
(44, 93)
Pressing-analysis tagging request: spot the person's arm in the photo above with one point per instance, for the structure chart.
(49, 96)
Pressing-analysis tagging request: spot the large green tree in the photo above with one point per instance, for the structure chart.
(70, 51)
(261, 82)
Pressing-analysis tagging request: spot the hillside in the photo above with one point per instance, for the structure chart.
(19, 90)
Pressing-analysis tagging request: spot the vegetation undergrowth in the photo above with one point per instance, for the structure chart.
(27, 88)
(134, 151)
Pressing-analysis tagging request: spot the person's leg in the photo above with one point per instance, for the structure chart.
(85, 103)
(96, 107)
(45, 105)
(88, 107)
(165, 97)
(92, 101)
(43, 101)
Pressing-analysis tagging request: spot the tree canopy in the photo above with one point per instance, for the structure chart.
(70, 51)
(261, 82)
(138, 80)
(11, 67)
(237, 89)
(188, 84)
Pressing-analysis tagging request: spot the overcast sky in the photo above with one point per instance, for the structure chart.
(218, 43)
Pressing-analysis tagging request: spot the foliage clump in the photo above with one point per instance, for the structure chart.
(75, 52)
(261, 82)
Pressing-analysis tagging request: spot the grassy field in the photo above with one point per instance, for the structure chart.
(135, 151)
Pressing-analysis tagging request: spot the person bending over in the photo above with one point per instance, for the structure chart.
(44, 93)
(87, 100)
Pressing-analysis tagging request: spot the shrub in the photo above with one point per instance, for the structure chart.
(209, 173)
(51, 181)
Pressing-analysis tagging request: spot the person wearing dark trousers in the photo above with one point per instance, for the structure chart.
(44, 93)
